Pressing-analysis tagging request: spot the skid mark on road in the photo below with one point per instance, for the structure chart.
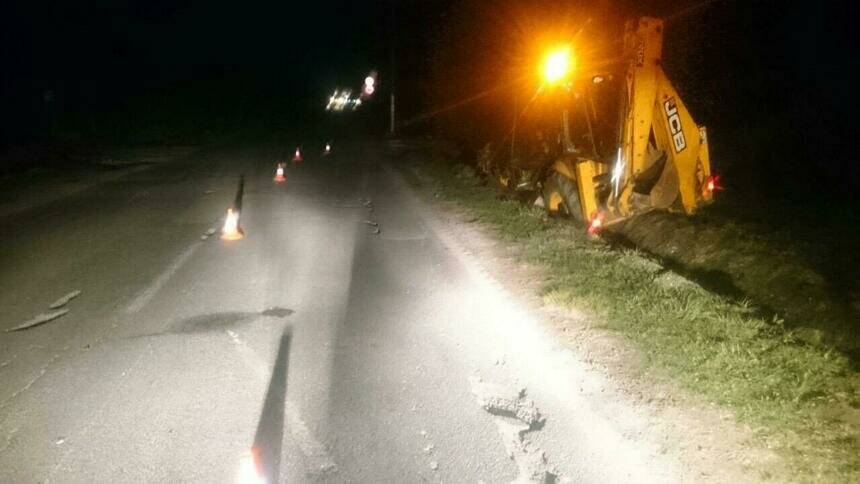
(318, 460)
(144, 296)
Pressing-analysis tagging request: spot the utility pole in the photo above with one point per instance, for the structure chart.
(514, 128)
(392, 62)
(391, 114)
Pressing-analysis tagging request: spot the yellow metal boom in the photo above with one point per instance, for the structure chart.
(662, 158)
(660, 139)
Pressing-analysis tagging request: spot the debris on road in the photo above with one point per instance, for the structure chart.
(375, 225)
(533, 469)
(65, 299)
(39, 319)
(512, 433)
(210, 232)
(434, 465)
(429, 448)
(60, 441)
(515, 416)
(277, 312)
(499, 400)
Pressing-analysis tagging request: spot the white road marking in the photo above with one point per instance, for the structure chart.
(318, 460)
(144, 296)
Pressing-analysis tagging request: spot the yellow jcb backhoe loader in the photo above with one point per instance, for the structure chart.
(661, 158)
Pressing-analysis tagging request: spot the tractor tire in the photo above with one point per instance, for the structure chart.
(561, 196)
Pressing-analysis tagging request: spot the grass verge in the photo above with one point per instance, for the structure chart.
(800, 399)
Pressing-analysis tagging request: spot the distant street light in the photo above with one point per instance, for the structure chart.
(369, 84)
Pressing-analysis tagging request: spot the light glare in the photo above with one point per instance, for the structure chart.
(557, 65)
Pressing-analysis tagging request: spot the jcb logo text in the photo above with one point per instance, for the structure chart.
(675, 125)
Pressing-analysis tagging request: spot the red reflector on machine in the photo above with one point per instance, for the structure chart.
(712, 184)
(595, 223)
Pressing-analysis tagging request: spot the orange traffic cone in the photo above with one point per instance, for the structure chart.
(298, 156)
(231, 230)
(279, 174)
(327, 150)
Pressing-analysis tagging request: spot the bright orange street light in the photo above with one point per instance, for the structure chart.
(557, 65)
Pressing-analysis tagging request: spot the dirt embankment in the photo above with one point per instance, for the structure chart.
(802, 275)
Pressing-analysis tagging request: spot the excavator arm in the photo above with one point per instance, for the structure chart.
(663, 155)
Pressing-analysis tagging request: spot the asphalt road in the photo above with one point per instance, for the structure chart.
(338, 353)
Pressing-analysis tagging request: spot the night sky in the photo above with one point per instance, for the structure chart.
(99, 54)
(773, 79)
(157, 42)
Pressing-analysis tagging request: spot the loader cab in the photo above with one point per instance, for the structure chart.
(593, 119)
